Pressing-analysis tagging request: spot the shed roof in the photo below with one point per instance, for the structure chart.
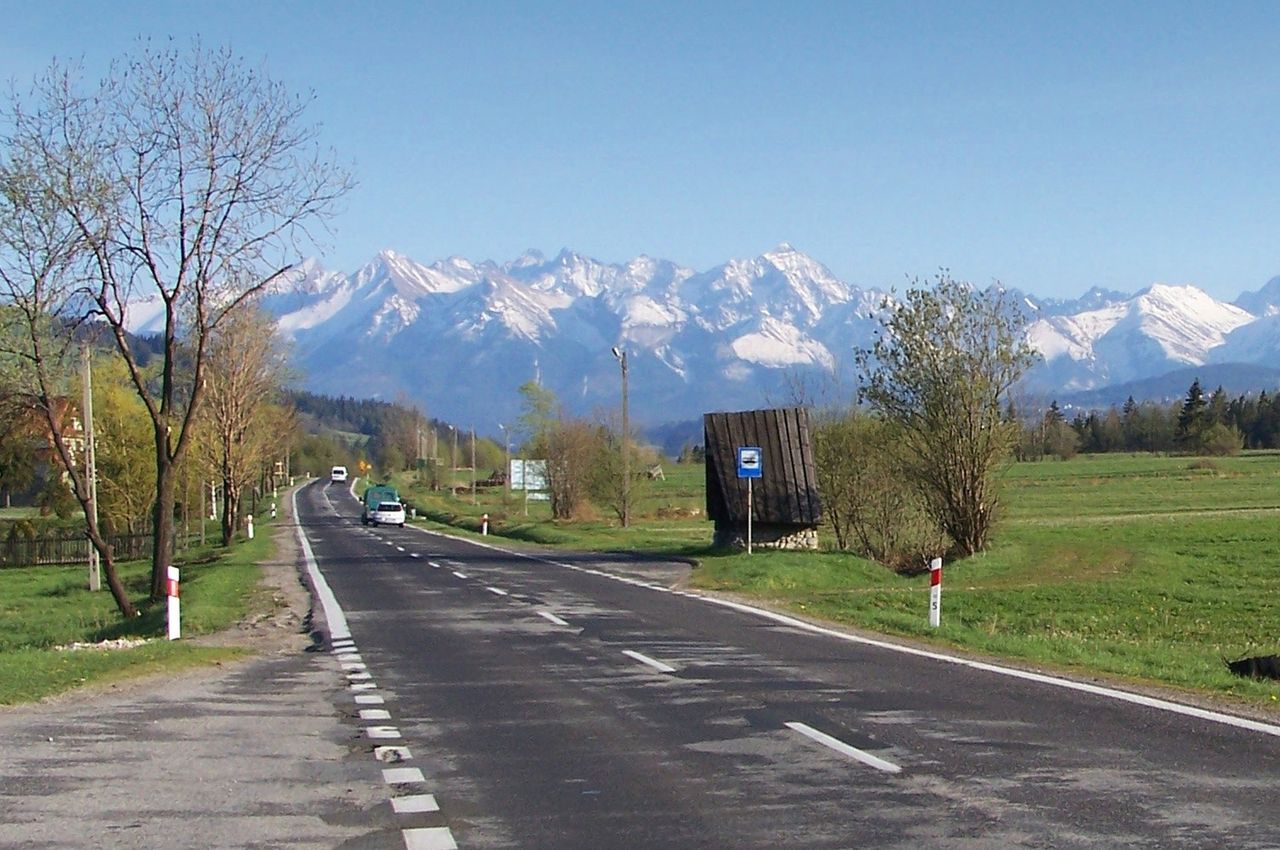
(787, 492)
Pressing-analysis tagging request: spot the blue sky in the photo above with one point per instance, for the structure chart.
(1052, 147)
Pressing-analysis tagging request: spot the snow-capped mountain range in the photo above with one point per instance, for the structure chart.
(459, 337)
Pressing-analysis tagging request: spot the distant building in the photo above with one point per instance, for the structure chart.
(786, 508)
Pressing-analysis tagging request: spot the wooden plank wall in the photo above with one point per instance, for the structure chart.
(788, 491)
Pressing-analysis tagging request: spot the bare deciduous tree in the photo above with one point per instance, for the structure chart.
(246, 370)
(192, 182)
(39, 245)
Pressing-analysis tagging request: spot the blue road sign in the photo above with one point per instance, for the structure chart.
(750, 462)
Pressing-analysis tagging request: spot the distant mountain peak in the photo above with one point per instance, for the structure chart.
(459, 335)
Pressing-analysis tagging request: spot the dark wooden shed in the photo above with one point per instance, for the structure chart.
(786, 508)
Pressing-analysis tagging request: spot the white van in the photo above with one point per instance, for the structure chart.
(338, 473)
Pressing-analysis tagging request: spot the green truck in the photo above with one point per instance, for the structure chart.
(374, 496)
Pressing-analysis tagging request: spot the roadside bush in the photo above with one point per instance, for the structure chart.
(868, 502)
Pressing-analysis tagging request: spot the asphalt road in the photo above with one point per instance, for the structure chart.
(590, 703)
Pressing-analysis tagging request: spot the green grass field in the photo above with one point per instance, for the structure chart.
(44, 608)
(1148, 569)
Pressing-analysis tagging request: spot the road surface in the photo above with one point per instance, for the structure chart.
(589, 702)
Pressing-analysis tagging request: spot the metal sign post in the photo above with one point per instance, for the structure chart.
(750, 466)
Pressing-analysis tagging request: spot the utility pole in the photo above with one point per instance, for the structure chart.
(90, 467)
(506, 470)
(626, 442)
(473, 464)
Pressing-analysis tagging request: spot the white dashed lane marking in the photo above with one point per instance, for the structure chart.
(414, 804)
(651, 662)
(392, 754)
(430, 838)
(402, 775)
(844, 749)
(497, 591)
(460, 575)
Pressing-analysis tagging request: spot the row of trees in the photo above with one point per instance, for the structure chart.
(1212, 424)
(182, 178)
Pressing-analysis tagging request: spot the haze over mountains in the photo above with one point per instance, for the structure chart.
(459, 336)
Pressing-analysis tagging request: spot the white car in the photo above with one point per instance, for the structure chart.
(338, 473)
(387, 513)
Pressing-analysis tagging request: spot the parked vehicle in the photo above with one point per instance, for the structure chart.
(375, 495)
(387, 513)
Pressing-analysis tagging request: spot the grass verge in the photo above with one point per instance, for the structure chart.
(45, 608)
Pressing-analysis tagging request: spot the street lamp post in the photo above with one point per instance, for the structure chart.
(626, 442)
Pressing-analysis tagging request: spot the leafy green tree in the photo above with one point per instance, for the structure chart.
(123, 450)
(1191, 418)
(940, 370)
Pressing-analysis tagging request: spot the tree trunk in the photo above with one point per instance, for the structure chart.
(230, 511)
(162, 520)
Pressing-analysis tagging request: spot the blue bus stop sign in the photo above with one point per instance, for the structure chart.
(750, 462)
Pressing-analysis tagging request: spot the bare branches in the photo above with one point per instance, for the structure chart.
(186, 178)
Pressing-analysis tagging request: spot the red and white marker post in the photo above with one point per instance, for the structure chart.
(935, 592)
(175, 605)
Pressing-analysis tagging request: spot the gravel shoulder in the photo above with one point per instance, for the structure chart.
(258, 753)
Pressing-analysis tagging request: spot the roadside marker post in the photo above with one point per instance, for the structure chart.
(484, 525)
(935, 592)
(175, 604)
(249, 527)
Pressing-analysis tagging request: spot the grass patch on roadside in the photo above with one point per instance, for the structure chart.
(42, 608)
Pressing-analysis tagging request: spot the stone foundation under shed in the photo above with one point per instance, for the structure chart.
(766, 536)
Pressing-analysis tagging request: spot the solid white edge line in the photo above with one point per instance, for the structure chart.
(547, 615)
(652, 662)
(333, 615)
(1039, 678)
(844, 749)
